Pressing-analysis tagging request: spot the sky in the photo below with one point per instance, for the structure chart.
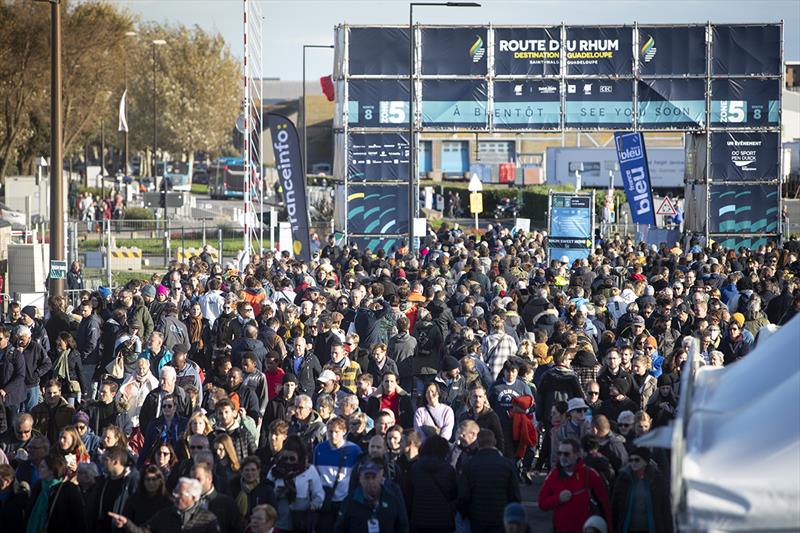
(289, 24)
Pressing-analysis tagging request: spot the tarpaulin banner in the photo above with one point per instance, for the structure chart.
(451, 103)
(745, 156)
(378, 51)
(570, 226)
(733, 242)
(527, 51)
(745, 102)
(289, 164)
(672, 51)
(737, 209)
(378, 103)
(377, 156)
(523, 104)
(667, 103)
(454, 51)
(599, 51)
(593, 103)
(635, 176)
(376, 242)
(744, 50)
(377, 209)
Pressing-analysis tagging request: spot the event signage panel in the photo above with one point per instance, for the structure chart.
(527, 51)
(570, 227)
(746, 50)
(454, 51)
(635, 172)
(377, 242)
(593, 103)
(599, 51)
(377, 156)
(378, 103)
(738, 209)
(745, 103)
(741, 156)
(377, 209)
(667, 103)
(378, 51)
(448, 103)
(527, 104)
(672, 51)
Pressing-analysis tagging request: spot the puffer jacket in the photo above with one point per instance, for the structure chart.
(243, 441)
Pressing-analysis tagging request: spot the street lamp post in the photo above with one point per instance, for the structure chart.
(56, 146)
(305, 135)
(154, 43)
(126, 171)
(411, 152)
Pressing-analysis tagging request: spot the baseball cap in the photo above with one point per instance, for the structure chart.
(326, 376)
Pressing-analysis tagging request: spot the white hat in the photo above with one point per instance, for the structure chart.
(626, 417)
(326, 376)
(564, 259)
(597, 523)
(576, 403)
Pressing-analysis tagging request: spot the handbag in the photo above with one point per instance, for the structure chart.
(116, 368)
(327, 503)
(433, 421)
(74, 386)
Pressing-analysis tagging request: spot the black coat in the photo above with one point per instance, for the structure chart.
(150, 405)
(263, 493)
(224, 508)
(12, 509)
(658, 490)
(310, 369)
(489, 482)
(59, 321)
(432, 495)
(244, 345)
(557, 384)
(140, 508)
(355, 513)
(66, 510)
(12, 376)
(198, 520)
(37, 363)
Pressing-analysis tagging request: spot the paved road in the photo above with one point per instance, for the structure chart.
(540, 522)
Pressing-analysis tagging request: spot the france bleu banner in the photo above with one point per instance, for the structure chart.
(635, 176)
(286, 144)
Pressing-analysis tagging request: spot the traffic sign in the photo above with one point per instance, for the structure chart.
(666, 207)
(475, 184)
(476, 202)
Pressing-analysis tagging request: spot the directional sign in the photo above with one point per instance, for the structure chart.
(666, 208)
(58, 269)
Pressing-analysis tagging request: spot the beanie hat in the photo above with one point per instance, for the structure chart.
(651, 341)
(642, 452)
(149, 291)
(80, 416)
(449, 363)
(162, 290)
(621, 384)
(105, 292)
(664, 380)
(29, 311)
(595, 523)
(739, 319)
(290, 378)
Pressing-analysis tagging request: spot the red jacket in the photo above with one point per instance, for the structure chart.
(570, 516)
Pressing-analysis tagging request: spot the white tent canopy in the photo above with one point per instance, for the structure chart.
(740, 463)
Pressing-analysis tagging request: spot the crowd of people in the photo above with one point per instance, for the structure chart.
(372, 392)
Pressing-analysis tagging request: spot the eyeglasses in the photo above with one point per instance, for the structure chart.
(594, 393)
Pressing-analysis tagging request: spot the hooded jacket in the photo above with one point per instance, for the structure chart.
(571, 515)
(37, 363)
(13, 372)
(559, 383)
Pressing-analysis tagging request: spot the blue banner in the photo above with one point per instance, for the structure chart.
(672, 104)
(635, 176)
(746, 50)
(454, 51)
(377, 156)
(737, 103)
(377, 210)
(527, 104)
(378, 104)
(448, 103)
(743, 209)
(672, 51)
(594, 103)
(378, 51)
(289, 164)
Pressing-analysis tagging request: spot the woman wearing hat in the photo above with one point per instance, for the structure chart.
(640, 498)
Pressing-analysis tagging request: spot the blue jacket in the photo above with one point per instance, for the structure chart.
(12, 376)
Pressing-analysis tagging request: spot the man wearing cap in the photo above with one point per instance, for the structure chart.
(575, 427)
(37, 364)
(640, 500)
(38, 333)
(371, 504)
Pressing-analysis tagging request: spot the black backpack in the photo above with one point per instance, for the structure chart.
(425, 340)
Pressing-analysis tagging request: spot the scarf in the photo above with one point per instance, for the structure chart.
(61, 366)
(39, 515)
(287, 472)
(523, 430)
(242, 500)
(195, 326)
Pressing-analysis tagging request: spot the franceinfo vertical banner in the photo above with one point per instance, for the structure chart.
(289, 164)
(635, 176)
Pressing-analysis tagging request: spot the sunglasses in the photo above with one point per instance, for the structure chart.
(594, 393)
(564, 454)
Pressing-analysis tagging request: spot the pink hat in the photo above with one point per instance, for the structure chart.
(162, 290)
